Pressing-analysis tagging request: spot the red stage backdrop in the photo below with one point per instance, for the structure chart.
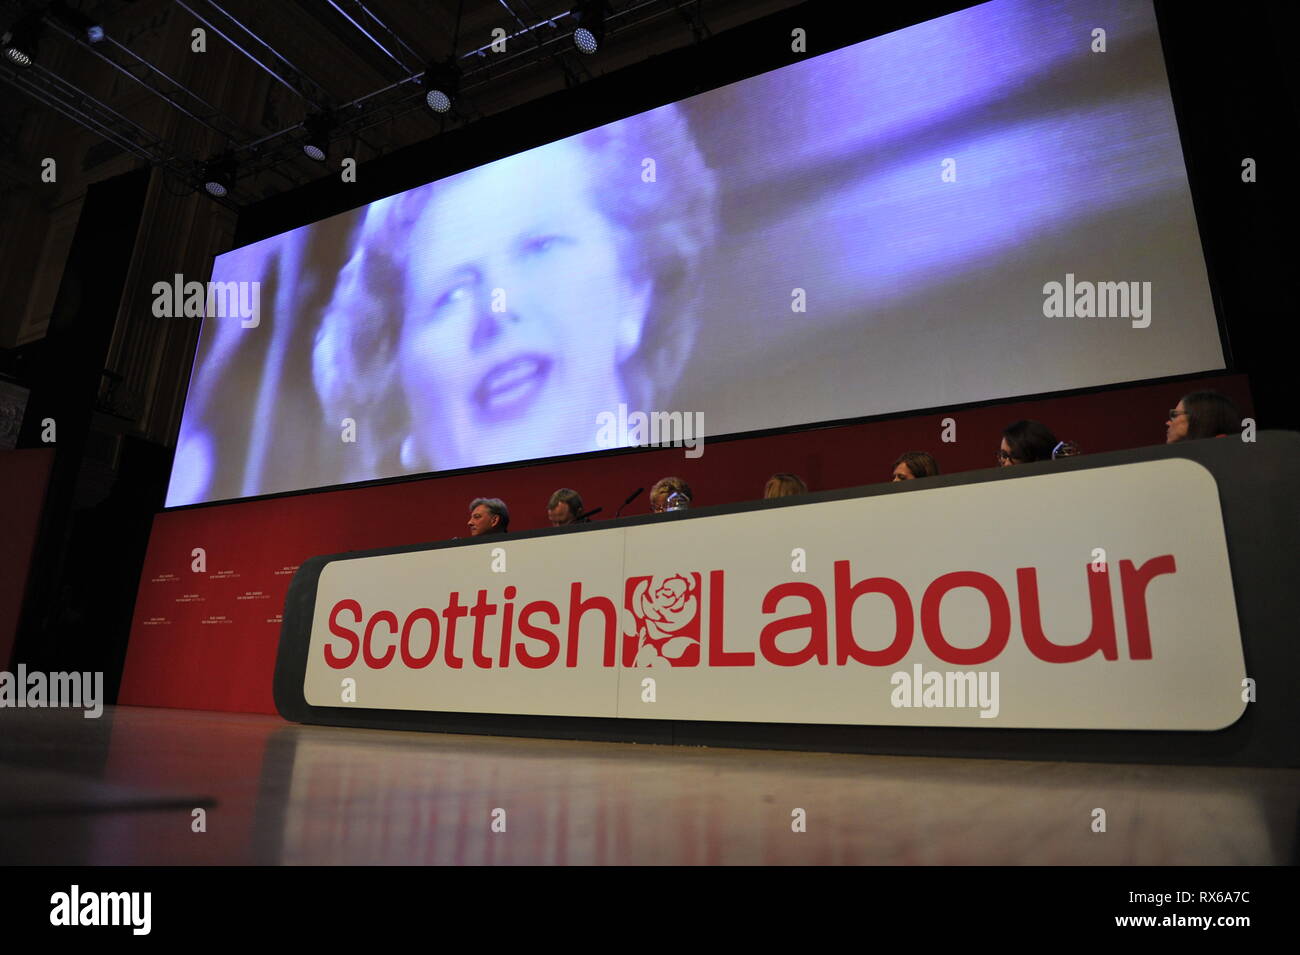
(207, 617)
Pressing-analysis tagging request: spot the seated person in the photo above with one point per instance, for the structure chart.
(914, 464)
(488, 515)
(670, 494)
(1026, 441)
(564, 507)
(784, 485)
(1202, 414)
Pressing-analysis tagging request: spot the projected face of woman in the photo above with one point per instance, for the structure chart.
(519, 312)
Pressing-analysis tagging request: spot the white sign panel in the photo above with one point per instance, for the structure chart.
(1097, 599)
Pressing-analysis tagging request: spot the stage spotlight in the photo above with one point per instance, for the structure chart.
(20, 42)
(317, 143)
(75, 21)
(590, 32)
(441, 82)
(219, 176)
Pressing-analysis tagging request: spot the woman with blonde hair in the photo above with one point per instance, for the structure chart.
(493, 315)
(784, 485)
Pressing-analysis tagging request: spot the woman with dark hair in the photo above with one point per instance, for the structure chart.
(1202, 414)
(494, 315)
(1025, 441)
(914, 464)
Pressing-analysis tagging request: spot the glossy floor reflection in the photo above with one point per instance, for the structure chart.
(124, 789)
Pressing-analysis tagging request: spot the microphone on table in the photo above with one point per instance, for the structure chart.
(587, 515)
(630, 498)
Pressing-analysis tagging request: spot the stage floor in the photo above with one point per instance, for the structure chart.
(125, 789)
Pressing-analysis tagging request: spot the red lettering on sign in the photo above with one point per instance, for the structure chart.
(1133, 584)
(719, 656)
(537, 633)
(482, 610)
(668, 614)
(1100, 637)
(453, 612)
(814, 621)
(846, 596)
(577, 607)
(338, 662)
(372, 661)
(999, 618)
(431, 618)
(508, 616)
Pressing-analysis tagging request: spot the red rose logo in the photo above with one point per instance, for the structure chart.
(664, 619)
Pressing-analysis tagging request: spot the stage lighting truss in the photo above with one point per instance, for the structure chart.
(21, 40)
(589, 33)
(218, 176)
(441, 87)
(316, 145)
(441, 83)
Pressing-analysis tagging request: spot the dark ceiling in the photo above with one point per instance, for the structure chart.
(272, 64)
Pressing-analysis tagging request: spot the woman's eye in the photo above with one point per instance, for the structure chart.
(453, 295)
(544, 243)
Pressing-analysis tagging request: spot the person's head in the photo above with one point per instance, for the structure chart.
(914, 464)
(1025, 441)
(664, 489)
(488, 515)
(1201, 414)
(564, 507)
(522, 298)
(784, 485)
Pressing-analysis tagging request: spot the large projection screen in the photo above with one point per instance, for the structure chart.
(979, 207)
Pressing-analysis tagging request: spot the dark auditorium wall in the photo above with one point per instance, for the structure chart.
(24, 479)
(206, 638)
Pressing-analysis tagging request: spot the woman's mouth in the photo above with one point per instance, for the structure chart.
(509, 387)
